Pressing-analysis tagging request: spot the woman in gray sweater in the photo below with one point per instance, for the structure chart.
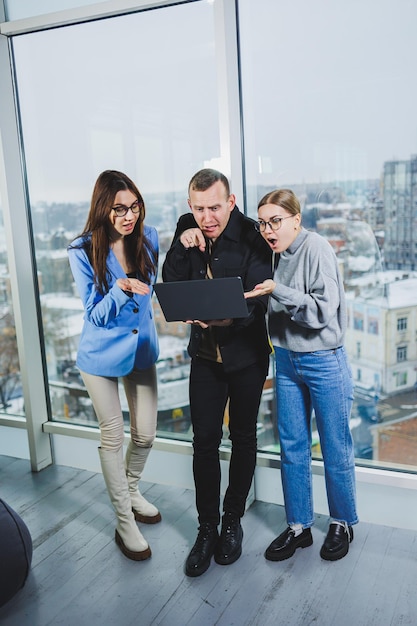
(307, 323)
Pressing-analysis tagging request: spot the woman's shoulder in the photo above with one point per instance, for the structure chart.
(320, 249)
(80, 242)
(150, 230)
(317, 240)
(151, 235)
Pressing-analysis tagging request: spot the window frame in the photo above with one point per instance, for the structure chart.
(15, 196)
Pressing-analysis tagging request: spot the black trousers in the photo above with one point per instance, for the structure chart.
(210, 388)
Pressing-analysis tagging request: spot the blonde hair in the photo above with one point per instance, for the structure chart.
(285, 198)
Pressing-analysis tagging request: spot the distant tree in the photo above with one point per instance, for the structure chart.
(9, 359)
(55, 328)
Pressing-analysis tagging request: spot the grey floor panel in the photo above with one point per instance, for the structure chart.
(80, 577)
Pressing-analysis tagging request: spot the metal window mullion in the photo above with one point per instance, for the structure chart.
(22, 268)
(228, 93)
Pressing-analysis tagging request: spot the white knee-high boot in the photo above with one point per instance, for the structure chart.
(128, 537)
(135, 461)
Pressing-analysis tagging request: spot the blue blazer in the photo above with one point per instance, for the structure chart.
(119, 331)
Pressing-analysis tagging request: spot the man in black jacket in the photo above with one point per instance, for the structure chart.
(229, 360)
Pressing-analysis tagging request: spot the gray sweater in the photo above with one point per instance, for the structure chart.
(307, 310)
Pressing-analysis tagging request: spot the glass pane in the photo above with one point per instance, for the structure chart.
(329, 111)
(11, 394)
(110, 96)
(19, 9)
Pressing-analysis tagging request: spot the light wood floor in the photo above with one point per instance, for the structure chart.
(79, 576)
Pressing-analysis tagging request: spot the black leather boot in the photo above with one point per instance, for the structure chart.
(198, 561)
(229, 546)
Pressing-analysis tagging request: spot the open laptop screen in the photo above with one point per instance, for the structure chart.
(208, 299)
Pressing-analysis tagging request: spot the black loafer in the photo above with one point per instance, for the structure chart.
(284, 546)
(336, 544)
(198, 561)
(229, 546)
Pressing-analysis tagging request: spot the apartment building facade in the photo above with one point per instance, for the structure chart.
(381, 336)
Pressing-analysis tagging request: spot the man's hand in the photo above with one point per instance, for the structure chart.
(207, 323)
(193, 238)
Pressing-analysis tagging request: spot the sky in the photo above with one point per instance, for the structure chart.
(336, 81)
(328, 93)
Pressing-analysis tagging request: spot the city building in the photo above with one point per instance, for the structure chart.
(400, 211)
(381, 335)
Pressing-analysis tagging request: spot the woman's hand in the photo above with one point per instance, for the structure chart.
(262, 289)
(133, 285)
(193, 238)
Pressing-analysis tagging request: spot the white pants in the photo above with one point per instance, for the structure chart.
(142, 398)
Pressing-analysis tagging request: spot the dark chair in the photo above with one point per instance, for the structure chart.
(15, 552)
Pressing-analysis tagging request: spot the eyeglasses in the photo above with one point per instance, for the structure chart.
(274, 223)
(121, 210)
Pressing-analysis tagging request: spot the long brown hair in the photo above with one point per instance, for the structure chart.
(139, 251)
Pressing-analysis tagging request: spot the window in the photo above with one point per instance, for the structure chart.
(135, 106)
(358, 321)
(401, 353)
(401, 379)
(11, 394)
(373, 317)
(314, 122)
(402, 323)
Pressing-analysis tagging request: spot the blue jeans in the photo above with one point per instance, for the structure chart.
(319, 381)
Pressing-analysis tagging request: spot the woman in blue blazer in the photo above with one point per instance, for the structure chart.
(114, 263)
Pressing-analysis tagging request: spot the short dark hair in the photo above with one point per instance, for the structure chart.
(205, 178)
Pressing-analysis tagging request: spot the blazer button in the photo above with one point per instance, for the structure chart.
(135, 310)
(134, 331)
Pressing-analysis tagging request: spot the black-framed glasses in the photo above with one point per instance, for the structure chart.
(274, 223)
(121, 209)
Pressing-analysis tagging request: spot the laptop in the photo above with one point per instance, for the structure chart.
(208, 299)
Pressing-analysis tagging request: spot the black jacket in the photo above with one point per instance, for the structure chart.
(238, 251)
